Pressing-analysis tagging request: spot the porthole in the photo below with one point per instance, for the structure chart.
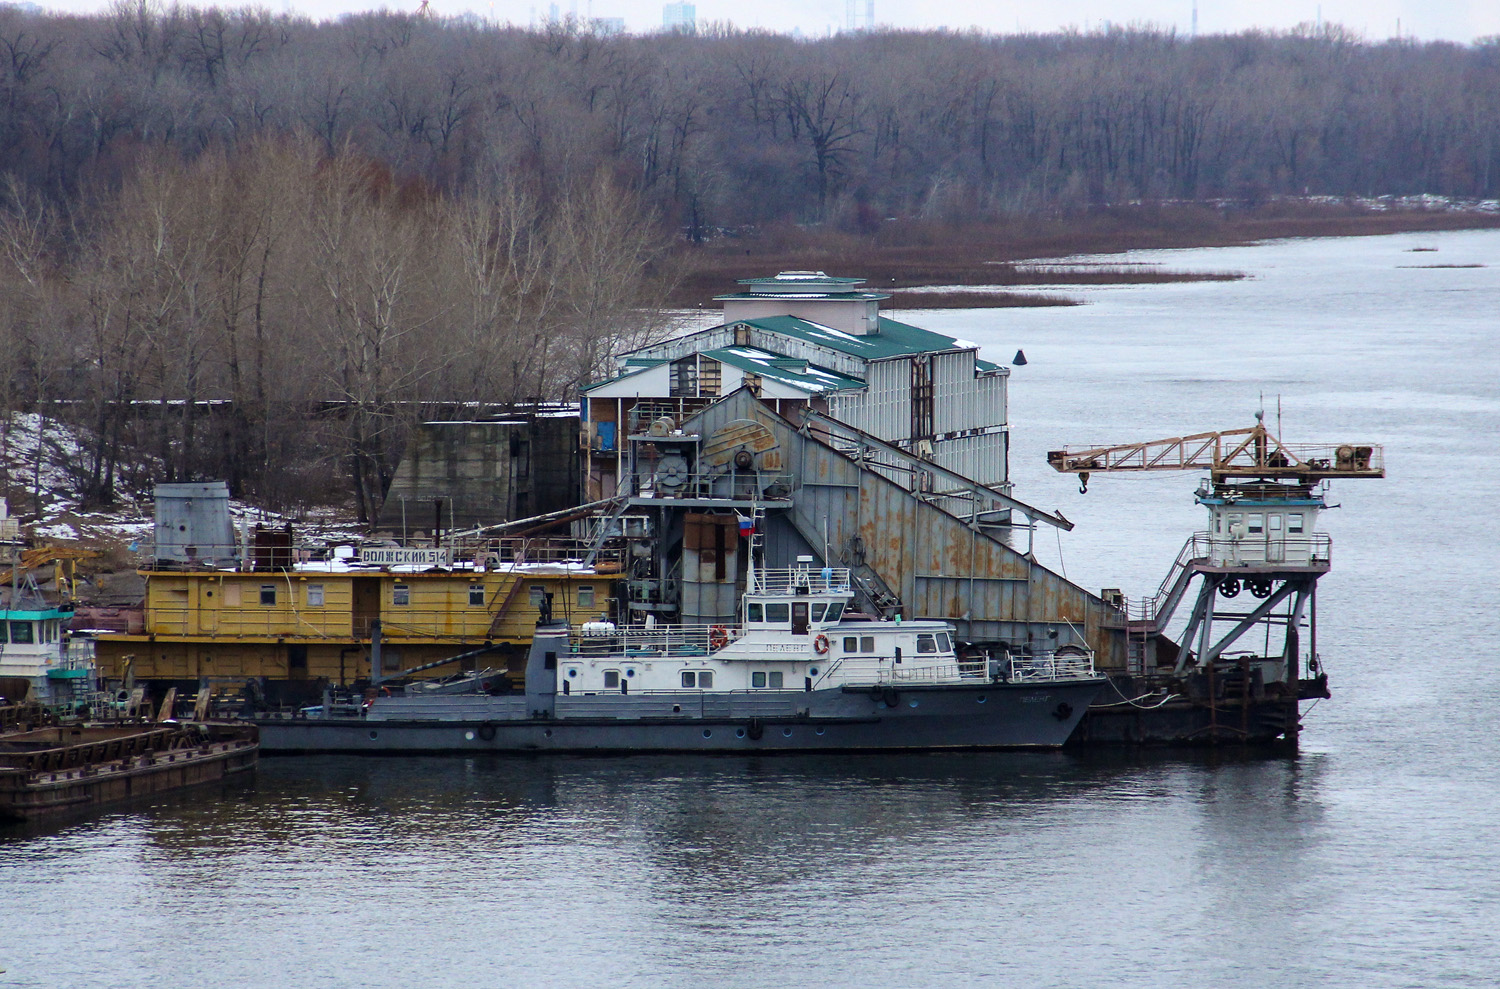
(739, 733)
(981, 699)
(708, 733)
(820, 731)
(676, 708)
(630, 673)
(911, 703)
(787, 732)
(812, 671)
(572, 673)
(547, 733)
(372, 734)
(468, 736)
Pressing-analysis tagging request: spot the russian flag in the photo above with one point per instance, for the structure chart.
(747, 527)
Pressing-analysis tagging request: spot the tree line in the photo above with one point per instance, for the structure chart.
(279, 317)
(285, 216)
(727, 128)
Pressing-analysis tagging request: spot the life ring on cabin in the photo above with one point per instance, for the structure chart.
(718, 637)
(486, 732)
(820, 644)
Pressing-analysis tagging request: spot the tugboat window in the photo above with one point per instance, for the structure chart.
(400, 594)
(755, 613)
(1255, 523)
(705, 679)
(944, 643)
(315, 595)
(585, 595)
(775, 681)
(927, 643)
(267, 593)
(778, 613)
(1294, 523)
(689, 679)
(476, 595)
(818, 611)
(851, 644)
(611, 679)
(702, 679)
(835, 611)
(757, 679)
(20, 633)
(867, 643)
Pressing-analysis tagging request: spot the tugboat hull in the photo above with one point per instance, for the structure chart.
(872, 719)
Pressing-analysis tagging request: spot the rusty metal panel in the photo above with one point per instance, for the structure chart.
(939, 566)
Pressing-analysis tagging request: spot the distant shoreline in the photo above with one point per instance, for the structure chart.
(950, 261)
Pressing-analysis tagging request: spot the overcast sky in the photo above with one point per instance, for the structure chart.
(1454, 20)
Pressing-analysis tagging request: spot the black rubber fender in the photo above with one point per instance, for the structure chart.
(891, 697)
(755, 729)
(486, 732)
(1063, 711)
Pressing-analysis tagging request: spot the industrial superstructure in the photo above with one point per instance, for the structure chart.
(806, 339)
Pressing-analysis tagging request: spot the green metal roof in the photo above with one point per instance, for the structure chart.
(777, 367)
(894, 339)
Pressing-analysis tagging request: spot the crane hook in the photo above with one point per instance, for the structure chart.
(1083, 482)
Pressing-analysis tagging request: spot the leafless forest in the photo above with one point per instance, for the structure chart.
(252, 246)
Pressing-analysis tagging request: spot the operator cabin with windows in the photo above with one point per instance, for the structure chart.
(803, 338)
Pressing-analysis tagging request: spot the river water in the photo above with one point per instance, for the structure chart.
(1372, 859)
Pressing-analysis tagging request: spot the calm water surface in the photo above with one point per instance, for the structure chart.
(1373, 859)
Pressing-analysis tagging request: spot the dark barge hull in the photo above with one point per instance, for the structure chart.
(52, 772)
(987, 716)
(1202, 712)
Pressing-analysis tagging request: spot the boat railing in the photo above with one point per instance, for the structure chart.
(803, 580)
(631, 641)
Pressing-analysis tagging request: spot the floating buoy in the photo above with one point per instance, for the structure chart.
(1020, 358)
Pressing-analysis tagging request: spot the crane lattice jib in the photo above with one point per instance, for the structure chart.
(1234, 453)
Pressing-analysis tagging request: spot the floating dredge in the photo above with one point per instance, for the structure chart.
(1263, 498)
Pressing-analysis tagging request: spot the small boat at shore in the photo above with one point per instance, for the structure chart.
(53, 771)
(799, 673)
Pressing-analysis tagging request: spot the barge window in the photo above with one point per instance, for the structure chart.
(476, 595)
(315, 595)
(1256, 522)
(778, 613)
(755, 613)
(1294, 523)
(267, 593)
(611, 679)
(20, 633)
(585, 595)
(927, 643)
(401, 594)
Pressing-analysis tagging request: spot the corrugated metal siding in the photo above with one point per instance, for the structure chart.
(981, 458)
(964, 400)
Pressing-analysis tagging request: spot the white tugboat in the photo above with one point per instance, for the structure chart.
(799, 672)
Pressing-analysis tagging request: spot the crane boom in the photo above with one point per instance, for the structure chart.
(1233, 453)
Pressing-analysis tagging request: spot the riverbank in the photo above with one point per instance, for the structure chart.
(971, 266)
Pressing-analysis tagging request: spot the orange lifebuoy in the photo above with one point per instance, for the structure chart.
(820, 644)
(718, 637)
